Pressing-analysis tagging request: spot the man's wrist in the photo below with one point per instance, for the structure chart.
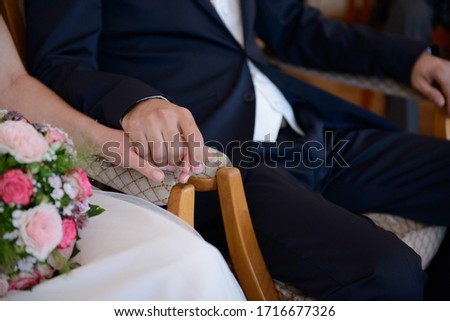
(139, 101)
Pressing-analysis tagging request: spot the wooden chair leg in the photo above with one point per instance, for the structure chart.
(181, 202)
(245, 253)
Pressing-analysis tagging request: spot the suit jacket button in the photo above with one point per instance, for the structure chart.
(249, 96)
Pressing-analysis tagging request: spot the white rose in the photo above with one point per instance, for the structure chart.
(22, 141)
(40, 229)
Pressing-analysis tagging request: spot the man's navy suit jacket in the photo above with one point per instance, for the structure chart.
(104, 56)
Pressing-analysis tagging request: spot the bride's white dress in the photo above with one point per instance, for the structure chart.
(137, 251)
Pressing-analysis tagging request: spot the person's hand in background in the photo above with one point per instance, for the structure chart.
(431, 77)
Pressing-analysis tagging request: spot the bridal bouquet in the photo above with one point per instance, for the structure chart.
(43, 202)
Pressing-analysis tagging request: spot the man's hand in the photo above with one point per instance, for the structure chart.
(431, 77)
(166, 135)
(115, 147)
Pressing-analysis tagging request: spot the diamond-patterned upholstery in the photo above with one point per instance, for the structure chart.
(132, 182)
(384, 85)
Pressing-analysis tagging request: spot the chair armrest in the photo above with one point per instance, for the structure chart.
(387, 86)
(180, 201)
(130, 181)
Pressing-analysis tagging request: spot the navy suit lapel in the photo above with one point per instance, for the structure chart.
(248, 19)
(209, 8)
(248, 16)
(206, 4)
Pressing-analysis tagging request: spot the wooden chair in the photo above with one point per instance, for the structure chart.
(246, 258)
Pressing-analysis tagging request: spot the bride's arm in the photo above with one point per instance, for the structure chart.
(25, 94)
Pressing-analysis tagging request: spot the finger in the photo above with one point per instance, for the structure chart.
(158, 151)
(139, 145)
(444, 86)
(175, 147)
(148, 170)
(144, 167)
(195, 143)
(446, 97)
(184, 177)
(169, 168)
(185, 164)
(185, 170)
(431, 92)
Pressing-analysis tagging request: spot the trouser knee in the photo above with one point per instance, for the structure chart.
(395, 275)
(400, 278)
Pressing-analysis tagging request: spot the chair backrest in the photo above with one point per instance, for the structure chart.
(13, 13)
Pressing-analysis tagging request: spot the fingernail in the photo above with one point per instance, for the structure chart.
(185, 179)
(168, 168)
(157, 176)
(198, 169)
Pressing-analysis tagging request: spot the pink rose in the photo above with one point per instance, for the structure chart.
(69, 233)
(40, 228)
(24, 281)
(16, 187)
(56, 137)
(79, 183)
(22, 141)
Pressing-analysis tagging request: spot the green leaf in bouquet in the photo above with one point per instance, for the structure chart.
(46, 188)
(11, 162)
(64, 163)
(41, 198)
(65, 200)
(5, 214)
(7, 162)
(3, 167)
(95, 210)
(44, 172)
(8, 257)
(6, 225)
(34, 168)
(76, 250)
(61, 264)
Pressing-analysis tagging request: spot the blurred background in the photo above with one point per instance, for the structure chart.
(359, 11)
